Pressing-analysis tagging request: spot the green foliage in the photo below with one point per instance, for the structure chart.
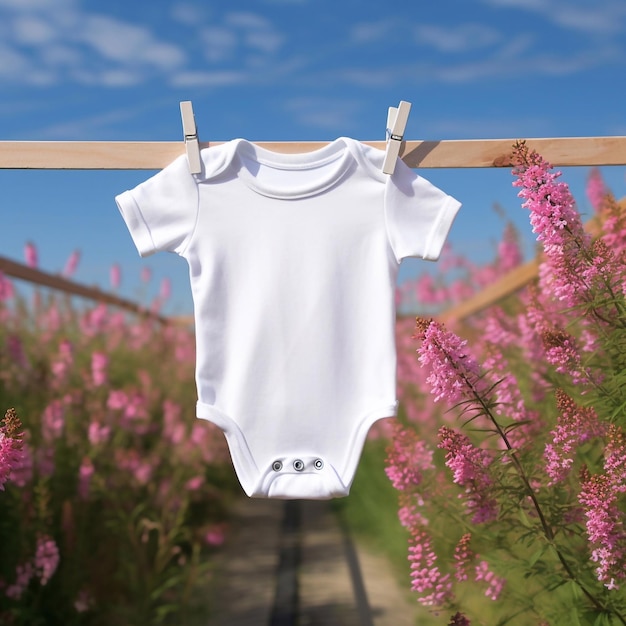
(541, 439)
(117, 471)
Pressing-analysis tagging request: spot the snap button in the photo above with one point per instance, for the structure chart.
(277, 466)
(318, 464)
(298, 465)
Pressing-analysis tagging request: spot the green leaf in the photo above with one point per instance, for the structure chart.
(536, 556)
(602, 620)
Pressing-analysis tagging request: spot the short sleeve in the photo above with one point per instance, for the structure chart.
(161, 212)
(419, 215)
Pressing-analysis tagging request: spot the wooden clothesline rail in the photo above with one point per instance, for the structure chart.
(154, 155)
(449, 153)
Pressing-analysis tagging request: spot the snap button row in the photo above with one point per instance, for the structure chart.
(298, 465)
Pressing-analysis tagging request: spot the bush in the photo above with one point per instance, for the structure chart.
(512, 472)
(114, 494)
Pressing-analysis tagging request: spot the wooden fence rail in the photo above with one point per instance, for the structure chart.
(59, 283)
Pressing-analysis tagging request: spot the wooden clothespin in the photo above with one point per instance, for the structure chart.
(190, 132)
(396, 123)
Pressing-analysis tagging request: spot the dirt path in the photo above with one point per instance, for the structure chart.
(337, 582)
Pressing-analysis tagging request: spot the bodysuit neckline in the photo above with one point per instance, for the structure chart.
(263, 170)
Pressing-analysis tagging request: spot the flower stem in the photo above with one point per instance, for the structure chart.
(545, 526)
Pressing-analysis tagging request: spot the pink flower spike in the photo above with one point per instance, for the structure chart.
(454, 374)
(99, 366)
(72, 263)
(46, 558)
(575, 425)
(596, 190)
(166, 289)
(470, 469)
(116, 276)
(11, 447)
(407, 457)
(6, 288)
(30, 254)
(146, 274)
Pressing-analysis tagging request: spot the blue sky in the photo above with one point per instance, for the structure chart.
(292, 70)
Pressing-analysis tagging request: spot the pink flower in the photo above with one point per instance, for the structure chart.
(146, 274)
(215, 536)
(571, 265)
(615, 458)
(23, 468)
(454, 373)
(98, 433)
(427, 291)
(117, 399)
(407, 458)
(83, 601)
(408, 513)
(115, 276)
(193, 484)
(613, 225)
(53, 420)
(509, 401)
(72, 263)
(509, 251)
(30, 254)
(23, 575)
(562, 351)
(99, 365)
(166, 289)
(85, 473)
(604, 528)
(495, 584)
(470, 468)
(6, 288)
(173, 428)
(596, 189)
(10, 456)
(15, 348)
(46, 558)
(426, 578)
(575, 425)
(11, 446)
(463, 556)
(62, 364)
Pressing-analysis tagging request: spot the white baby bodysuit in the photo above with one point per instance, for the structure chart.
(293, 261)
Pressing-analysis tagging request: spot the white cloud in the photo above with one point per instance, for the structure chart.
(218, 43)
(190, 14)
(592, 17)
(248, 21)
(458, 38)
(32, 30)
(444, 38)
(372, 32)
(59, 41)
(322, 113)
(192, 78)
(126, 43)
